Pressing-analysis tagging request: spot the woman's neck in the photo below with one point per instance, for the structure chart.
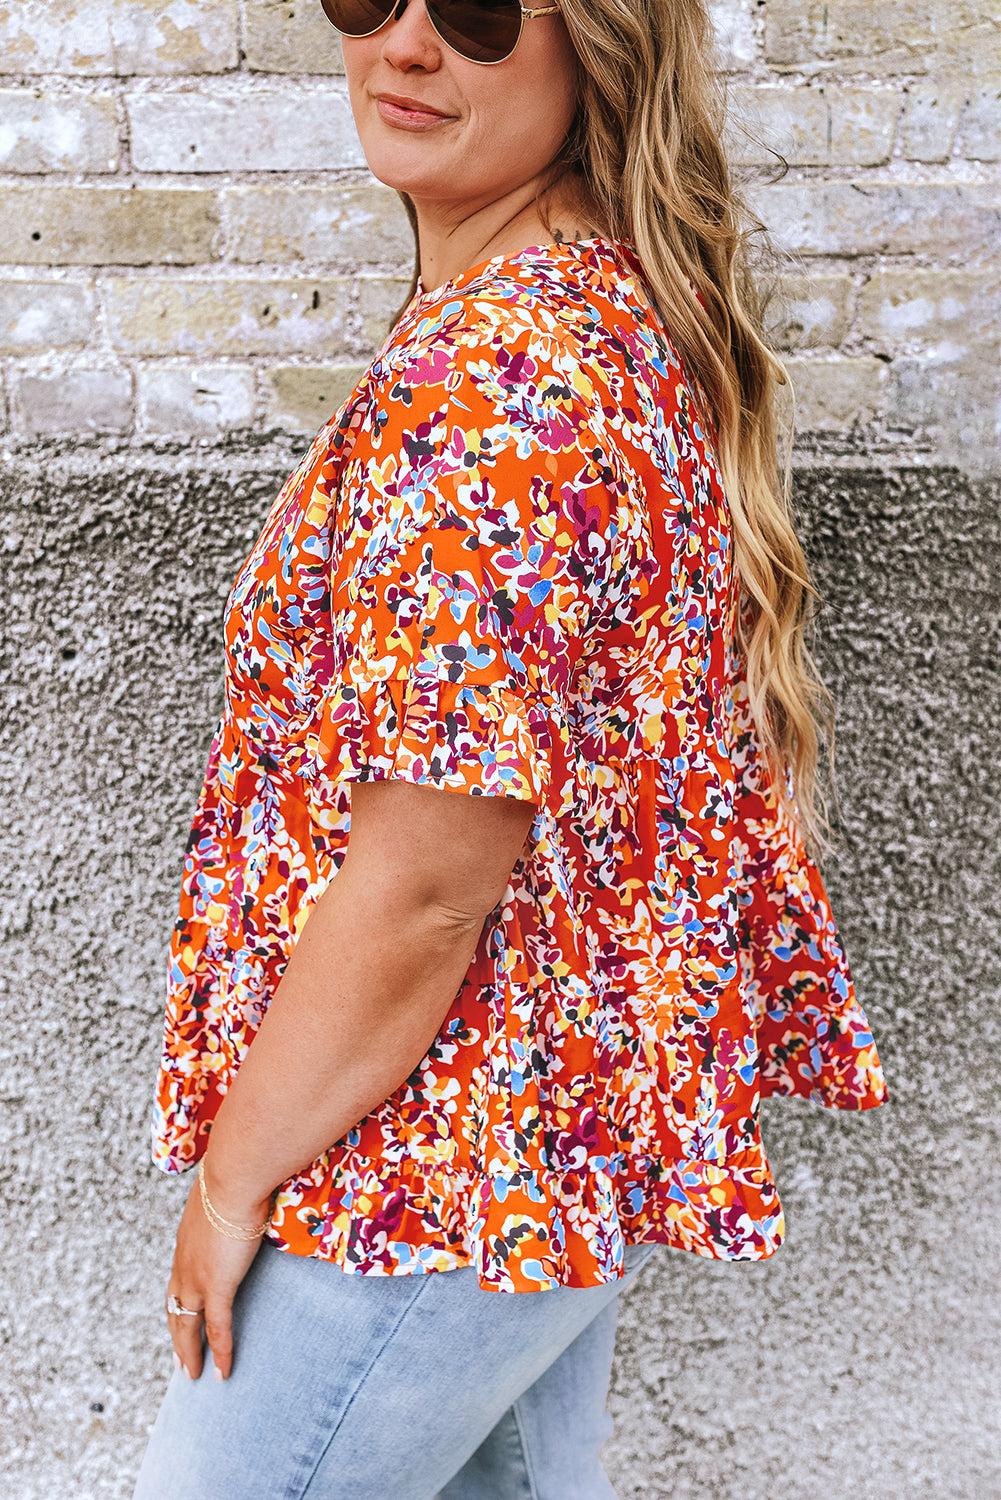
(452, 241)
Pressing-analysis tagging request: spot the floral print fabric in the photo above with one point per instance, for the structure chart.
(505, 568)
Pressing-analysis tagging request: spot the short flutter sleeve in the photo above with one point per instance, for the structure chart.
(474, 545)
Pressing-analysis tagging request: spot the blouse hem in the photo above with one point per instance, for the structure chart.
(525, 1229)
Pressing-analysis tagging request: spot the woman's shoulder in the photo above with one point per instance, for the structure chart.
(571, 321)
(568, 298)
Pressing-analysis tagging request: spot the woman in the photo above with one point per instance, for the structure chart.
(499, 860)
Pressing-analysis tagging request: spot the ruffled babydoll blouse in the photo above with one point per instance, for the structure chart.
(505, 568)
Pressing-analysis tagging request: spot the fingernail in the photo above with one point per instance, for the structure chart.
(177, 1360)
(187, 1373)
(218, 1373)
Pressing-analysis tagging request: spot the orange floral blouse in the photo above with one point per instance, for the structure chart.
(505, 568)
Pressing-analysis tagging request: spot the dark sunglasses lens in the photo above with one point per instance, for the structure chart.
(357, 17)
(485, 31)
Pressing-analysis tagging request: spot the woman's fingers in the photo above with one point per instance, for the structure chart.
(219, 1332)
(186, 1336)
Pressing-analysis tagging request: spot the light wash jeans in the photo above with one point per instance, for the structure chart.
(349, 1387)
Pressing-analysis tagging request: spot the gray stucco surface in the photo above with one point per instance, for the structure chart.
(861, 1363)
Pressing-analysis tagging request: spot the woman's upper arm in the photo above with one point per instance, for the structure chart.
(444, 851)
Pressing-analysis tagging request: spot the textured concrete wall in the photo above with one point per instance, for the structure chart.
(181, 297)
(859, 1364)
(862, 1362)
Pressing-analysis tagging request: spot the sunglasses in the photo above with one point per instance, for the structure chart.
(482, 31)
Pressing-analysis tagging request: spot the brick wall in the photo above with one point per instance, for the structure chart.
(191, 244)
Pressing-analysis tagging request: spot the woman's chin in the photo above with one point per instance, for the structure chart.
(430, 187)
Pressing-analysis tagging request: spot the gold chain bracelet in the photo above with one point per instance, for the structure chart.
(231, 1231)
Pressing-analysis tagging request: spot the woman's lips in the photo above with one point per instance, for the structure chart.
(410, 114)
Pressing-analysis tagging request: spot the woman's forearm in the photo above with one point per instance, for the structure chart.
(363, 997)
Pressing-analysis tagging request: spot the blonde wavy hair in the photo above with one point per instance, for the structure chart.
(647, 145)
(646, 157)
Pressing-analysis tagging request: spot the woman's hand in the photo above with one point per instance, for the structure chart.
(208, 1268)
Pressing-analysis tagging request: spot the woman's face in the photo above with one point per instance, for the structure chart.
(445, 130)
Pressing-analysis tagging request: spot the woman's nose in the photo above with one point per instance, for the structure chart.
(410, 39)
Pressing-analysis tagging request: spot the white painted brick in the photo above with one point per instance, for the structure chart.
(286, 36)
(932, 119)
(836, 395)
(982, 136)
(85, 226)
(814, 127)
(75, 402)
(118, 36)
(302, 397)
(809, 312)
(253, 132)
(200, 401)
(57, 133)
(37, 315)
(863, 218)
(734, 23)
(235, 315)
(883, 37)
(379, 300)
(363, 222)
(903, 307)
(952, 398)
